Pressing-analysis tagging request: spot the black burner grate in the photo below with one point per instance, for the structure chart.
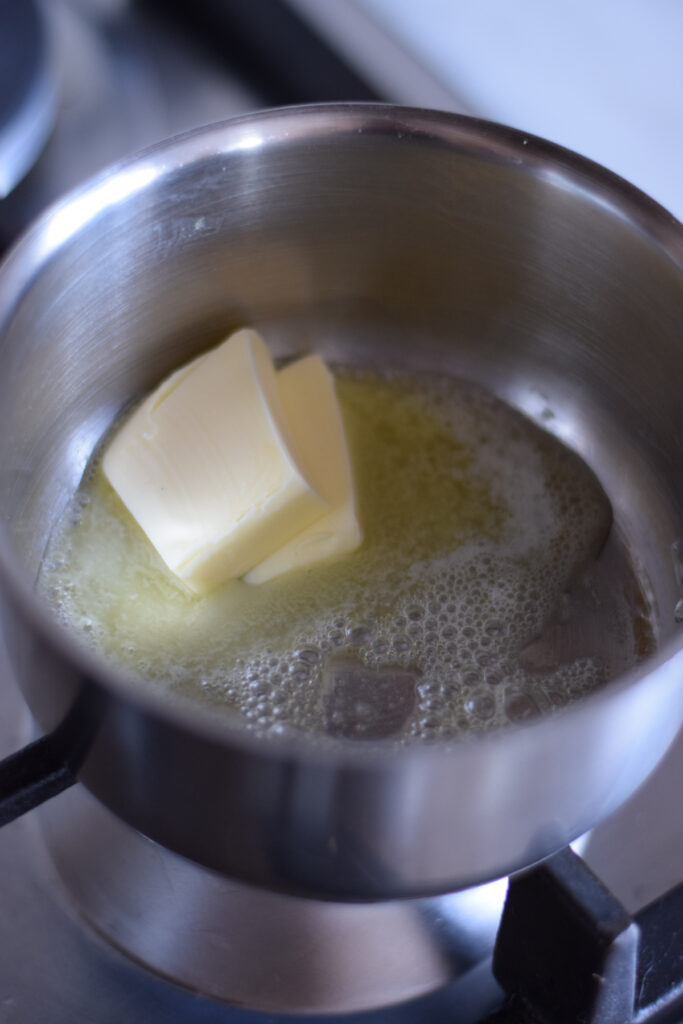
(568, 953)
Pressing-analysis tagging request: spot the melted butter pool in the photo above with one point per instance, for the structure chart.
(477, 525)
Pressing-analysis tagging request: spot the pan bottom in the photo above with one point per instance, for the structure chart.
(252, 948)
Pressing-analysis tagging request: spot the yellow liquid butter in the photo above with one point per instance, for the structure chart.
(475, 522)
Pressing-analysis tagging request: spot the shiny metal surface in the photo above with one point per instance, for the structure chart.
(638, 853)
(257, 949)
(380, 235)
(244, 945)
(55, 968)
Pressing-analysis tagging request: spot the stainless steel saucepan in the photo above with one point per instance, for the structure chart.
(380, 235)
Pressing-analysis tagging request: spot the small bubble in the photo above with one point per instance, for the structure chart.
(494, 627)
(520, 706)
(482, 706)
(359, 635)
(310, 655)
(494, 677)
(432, 704)
(471, 677)
(428, 689)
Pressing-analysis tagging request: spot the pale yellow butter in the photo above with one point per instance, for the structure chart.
(309, 402)
(210, 469)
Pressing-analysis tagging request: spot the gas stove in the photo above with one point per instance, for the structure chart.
(100, 924)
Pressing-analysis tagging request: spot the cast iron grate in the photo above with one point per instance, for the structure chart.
(568, 953)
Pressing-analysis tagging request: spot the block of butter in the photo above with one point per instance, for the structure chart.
(310, 405)
(213, 472)
(209, 469)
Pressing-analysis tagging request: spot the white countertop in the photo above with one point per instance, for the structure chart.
(604, 79)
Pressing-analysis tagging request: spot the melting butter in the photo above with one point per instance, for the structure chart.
(229, 466)
(475, 522)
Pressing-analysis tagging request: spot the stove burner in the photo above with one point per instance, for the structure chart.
(27, 92)
(568, 952)
(566, 948)
(249, 947)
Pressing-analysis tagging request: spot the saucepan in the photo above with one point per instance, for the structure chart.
(387, 236)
